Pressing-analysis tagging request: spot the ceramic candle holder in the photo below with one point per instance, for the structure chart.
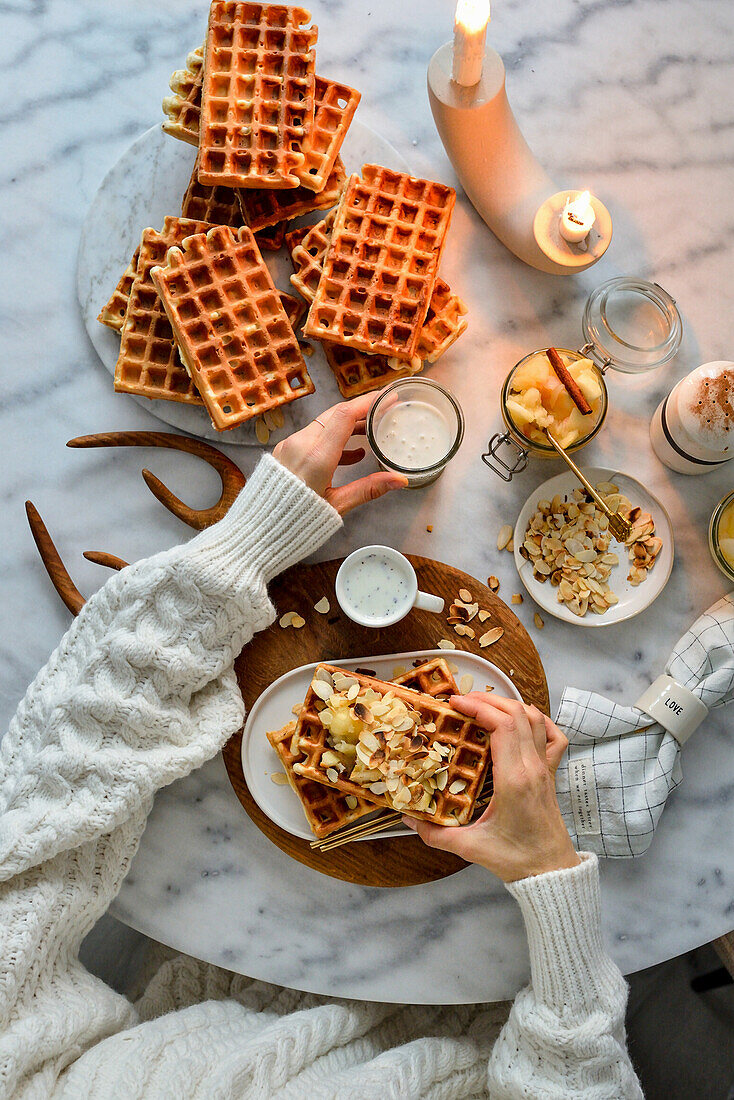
(504, 182)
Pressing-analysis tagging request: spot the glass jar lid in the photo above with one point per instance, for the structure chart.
(631, 325)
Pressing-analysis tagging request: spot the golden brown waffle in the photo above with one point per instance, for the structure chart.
(308, 250)
(230, 325)
(221, 206)
(294, 308)
(357, 373)
(262, 207)
(444, 323)
(381, 266)
(183, 108)
(113, 314)
(148, 363)
(326, 809)
(335, 105)
(257, 97)
(466, 744)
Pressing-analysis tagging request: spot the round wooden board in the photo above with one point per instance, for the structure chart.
(401, 861)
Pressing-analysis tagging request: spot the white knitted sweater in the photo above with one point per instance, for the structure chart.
(142, 690)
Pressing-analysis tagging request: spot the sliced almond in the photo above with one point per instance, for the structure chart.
(484, 615)
(287, 619)
(465, 595)
(261, 431)
(491, 637)
(351, 802)
(504, 536)
(538, 621)
(493, 584)
(446, 643)
(323, 606)
(517, 597)
(298, 621)
(280, 779)
(466, 683)
(457, 786)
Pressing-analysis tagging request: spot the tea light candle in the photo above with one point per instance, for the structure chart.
(470, 33)
(577, 219)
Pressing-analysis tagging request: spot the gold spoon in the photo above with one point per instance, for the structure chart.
(618, 525)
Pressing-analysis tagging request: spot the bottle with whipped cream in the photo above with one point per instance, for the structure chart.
(692, 430)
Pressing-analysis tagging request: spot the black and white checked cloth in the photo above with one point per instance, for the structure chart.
(619, 770)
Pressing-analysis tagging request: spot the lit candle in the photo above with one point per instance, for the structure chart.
(577, 218)
(470, 32)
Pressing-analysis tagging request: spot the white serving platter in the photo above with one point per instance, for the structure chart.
(273, 710)
(632, 600)
(147, 183)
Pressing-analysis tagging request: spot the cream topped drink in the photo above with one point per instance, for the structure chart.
(377, 586)
(692, 431)
(415, 435)
(415, 427)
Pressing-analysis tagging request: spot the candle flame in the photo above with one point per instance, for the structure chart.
(472, 15)
(580, 205)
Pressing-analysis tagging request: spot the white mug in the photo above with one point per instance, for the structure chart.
(384, 577)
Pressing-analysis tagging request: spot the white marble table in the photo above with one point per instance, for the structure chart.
(634, 100)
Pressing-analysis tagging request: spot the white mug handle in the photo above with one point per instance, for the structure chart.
(424, 601)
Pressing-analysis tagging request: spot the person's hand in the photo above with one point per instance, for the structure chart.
(314, 453)
(521, 832)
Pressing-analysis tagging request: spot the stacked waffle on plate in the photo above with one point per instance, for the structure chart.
(326, 808)
(268, 131)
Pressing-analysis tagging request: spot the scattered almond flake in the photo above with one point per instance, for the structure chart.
(323, 690)
(351, 802)
(512, 672)
(398, 670)
(466, 683)
(493, 584)
(465, 595)
(446, 643)
(280, 779)
(452, 667)
(261, 431)
(323, 606)
(504, 536)
(287, 619)
(510, 546)
(517, 597)
(457, 786)
(278, 417)
(489, 687)
(270, 421)
(491, 637)
(484, 615)
(332, 774)
(538, 621)
(429, 528)
(298, 621)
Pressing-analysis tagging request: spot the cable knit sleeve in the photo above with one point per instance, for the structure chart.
(140, 691)
(565, 1038)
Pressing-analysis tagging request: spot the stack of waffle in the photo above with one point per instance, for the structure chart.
(359, 743)
(199, 317)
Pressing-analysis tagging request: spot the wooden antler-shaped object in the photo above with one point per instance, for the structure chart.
(232, 481)
(231, 476)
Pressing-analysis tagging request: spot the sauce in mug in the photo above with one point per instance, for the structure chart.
(376, 587)
(414, 435)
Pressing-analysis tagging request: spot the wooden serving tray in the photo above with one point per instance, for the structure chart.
(400, 861)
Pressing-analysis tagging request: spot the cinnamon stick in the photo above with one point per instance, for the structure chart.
(567, 379)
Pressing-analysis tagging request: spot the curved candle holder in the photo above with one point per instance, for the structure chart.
(503, 180)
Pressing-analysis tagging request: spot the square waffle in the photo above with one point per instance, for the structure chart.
(113, 313)
(357, 373)
(257, 97)
(437, 741)
(308, 248)
(335, 105)
(183, 108)
(381, 266)
(326, 809)
(148, 363)
(230, 325)
(262, 207)
(221, 206)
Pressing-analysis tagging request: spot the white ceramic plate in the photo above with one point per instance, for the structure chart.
(631, 600)
(273, 710)
(147, 183)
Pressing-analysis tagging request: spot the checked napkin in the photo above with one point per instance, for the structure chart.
(621, 765)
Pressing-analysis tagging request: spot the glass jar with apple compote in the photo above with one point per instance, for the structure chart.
(629, 325)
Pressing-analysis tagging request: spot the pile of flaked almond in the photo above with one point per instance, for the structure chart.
(381, 743)
(568, 542)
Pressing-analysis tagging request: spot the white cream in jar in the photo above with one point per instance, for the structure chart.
(414, 435)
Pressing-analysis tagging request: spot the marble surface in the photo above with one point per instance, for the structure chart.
(632, 99)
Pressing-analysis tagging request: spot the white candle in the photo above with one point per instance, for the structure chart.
(577, 218)
(470, 33)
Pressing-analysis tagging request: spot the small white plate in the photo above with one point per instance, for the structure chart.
(631, 600)
(273, 710)
(148, 182)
